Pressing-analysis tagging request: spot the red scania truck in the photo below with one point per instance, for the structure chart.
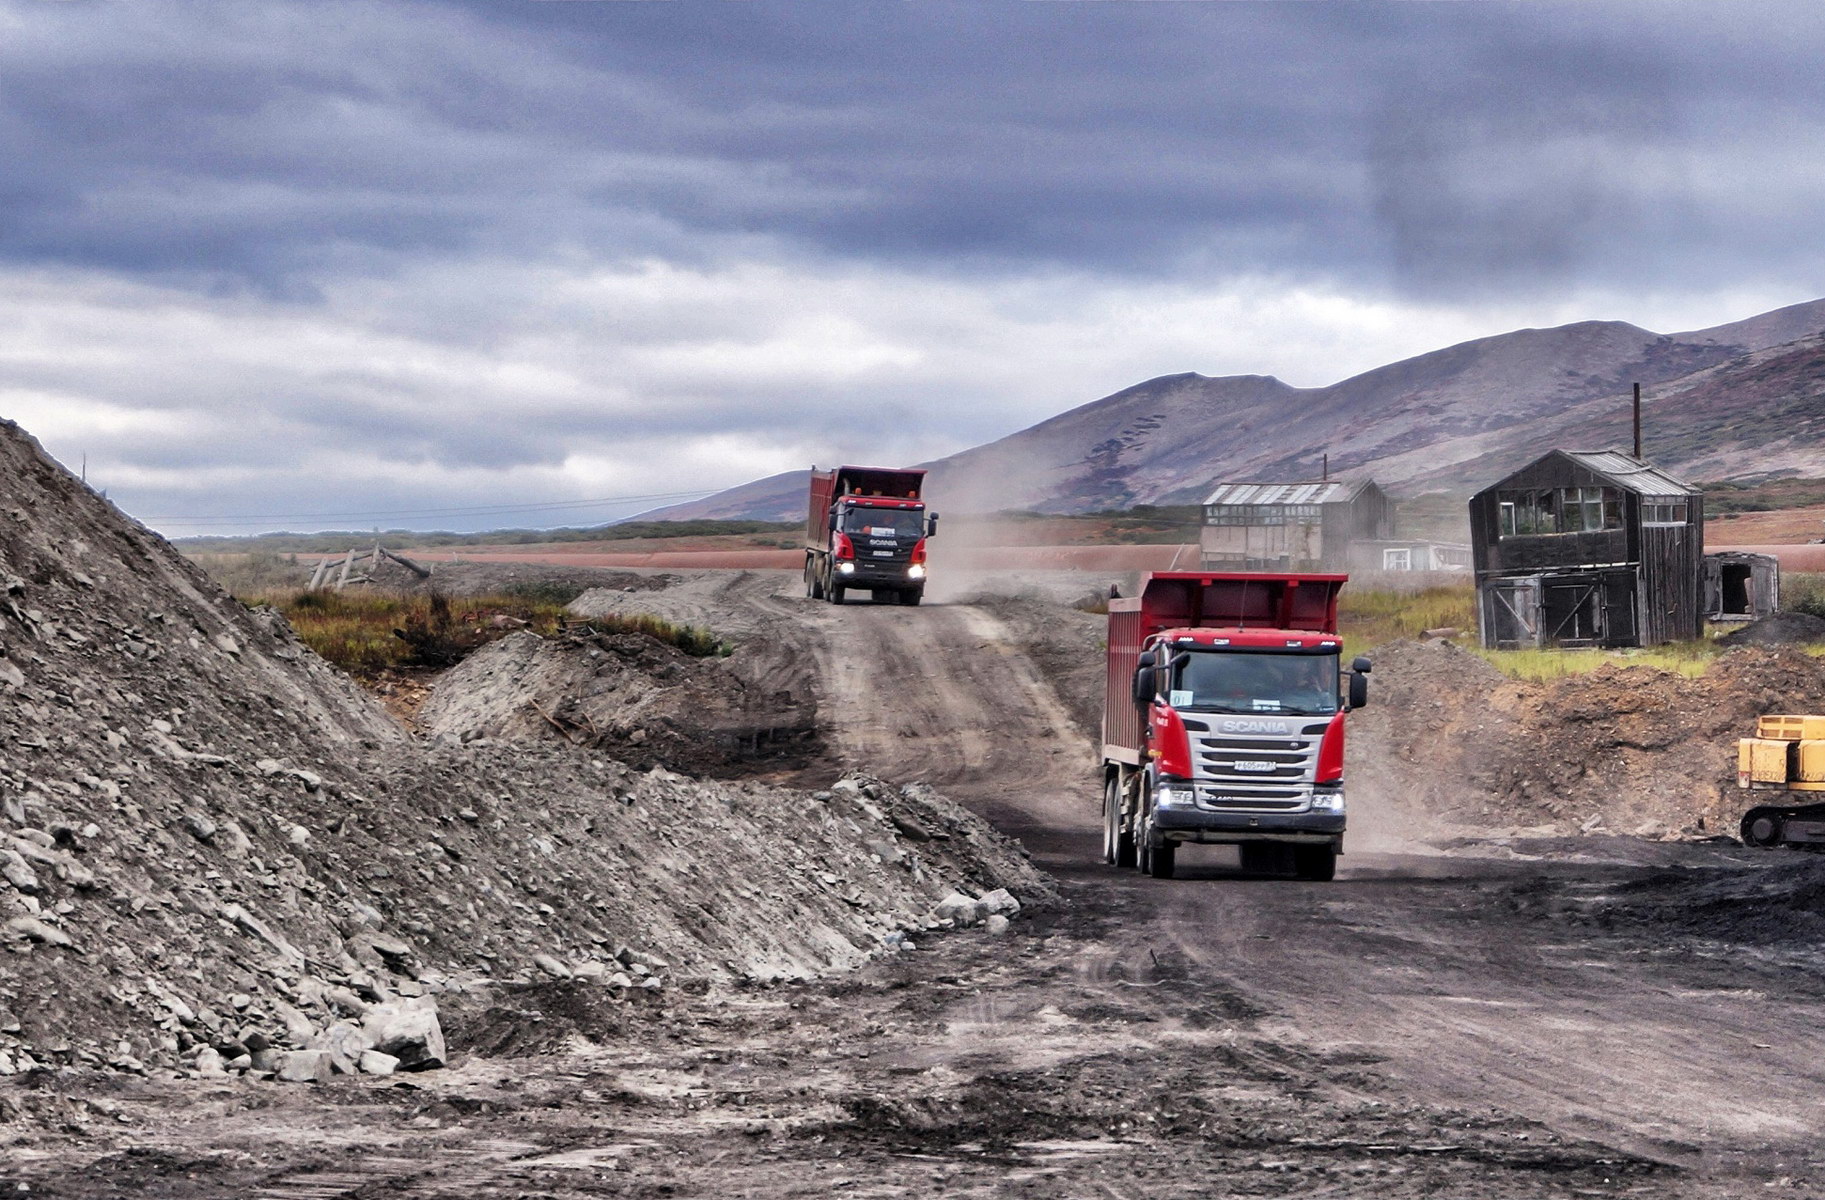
(867, 530)
(1223, 721)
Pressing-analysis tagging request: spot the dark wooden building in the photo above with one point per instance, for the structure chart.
(1291, 526)
(1588, 548)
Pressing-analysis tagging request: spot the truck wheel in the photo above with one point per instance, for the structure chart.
(1317, 863)
(1118, 842)
(1161, 860)
(814, 588)
(912, 597)
(834, 594)
(1156, 861)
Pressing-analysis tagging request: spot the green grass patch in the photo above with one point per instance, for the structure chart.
(1690, 659)
(1369, 618)
(367, 633)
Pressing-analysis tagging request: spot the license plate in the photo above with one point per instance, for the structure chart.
(1250, 764)
(883, 553)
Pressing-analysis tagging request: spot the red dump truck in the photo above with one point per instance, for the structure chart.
(867, 530)
(1223, 721)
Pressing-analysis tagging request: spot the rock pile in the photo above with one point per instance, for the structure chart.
(634, 697)
(217, 853)
(1633, 750)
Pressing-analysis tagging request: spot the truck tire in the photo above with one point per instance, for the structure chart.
(1118, 841)
(814, 587)
(834, 594)
(1157, 861)
(1317, 863)
(912, 597)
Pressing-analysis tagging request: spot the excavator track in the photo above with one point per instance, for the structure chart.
(1771, 825)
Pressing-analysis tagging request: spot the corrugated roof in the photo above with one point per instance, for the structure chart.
(1632, 473)
(1326, 491)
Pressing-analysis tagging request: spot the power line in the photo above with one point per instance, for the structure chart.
(475, 511)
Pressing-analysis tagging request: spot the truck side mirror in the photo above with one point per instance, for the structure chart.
(1359, 688)
(1360, 666)
(1144, 684)
(832, 522)
(931, 525)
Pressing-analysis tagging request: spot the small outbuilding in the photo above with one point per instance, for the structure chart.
(1408, 554)
(1740, 586)
(1588, 548)
(1291, 526)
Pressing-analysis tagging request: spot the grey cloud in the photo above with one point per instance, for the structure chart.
(241, 142)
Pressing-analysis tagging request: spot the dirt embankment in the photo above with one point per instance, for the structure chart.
(205, 831)
(634, 697)
(1448, 741)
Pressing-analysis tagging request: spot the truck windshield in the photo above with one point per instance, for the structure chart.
(1227, 681)
(884, 522)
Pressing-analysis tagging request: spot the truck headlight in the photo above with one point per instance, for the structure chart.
(915, 572)
(1171, 796)
(1328, 802)
(845, 568)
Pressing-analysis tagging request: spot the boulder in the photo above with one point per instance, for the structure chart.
(304, 1066)
(345, 1042)
(409, 1031)
(960, 910)
(1000, 901)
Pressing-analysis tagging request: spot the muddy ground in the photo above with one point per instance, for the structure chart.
(1480, 1006)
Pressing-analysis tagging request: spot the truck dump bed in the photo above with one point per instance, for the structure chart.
(1196, 600)
(826, 486)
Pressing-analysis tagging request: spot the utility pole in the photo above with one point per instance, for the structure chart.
(1638, 420)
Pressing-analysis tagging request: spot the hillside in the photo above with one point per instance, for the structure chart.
(1732, 401)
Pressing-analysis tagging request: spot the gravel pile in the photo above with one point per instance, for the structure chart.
(216, 853)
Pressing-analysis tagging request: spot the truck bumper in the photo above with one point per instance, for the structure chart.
(880, 577)
(1224, 828)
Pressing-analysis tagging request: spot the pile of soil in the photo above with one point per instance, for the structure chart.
(1778, 629)
(1449, 740)
(1781, 905)
(203, 827)
(1065, 643)
(633, 696)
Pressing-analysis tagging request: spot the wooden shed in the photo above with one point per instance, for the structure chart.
(1740, 586)
(1588, 548)
(1291, 526)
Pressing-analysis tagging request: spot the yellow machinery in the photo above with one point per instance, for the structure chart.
(1786, 756)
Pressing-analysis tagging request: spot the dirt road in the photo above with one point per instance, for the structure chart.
(1438, 967)
(1430, 1024)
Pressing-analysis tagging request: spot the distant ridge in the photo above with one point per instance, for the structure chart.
(1742, 400)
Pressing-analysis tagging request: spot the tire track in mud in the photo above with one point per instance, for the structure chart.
(940, 693)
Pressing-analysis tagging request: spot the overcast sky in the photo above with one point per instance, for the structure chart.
(338, 265)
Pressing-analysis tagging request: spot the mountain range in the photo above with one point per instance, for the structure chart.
(1741, 402)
